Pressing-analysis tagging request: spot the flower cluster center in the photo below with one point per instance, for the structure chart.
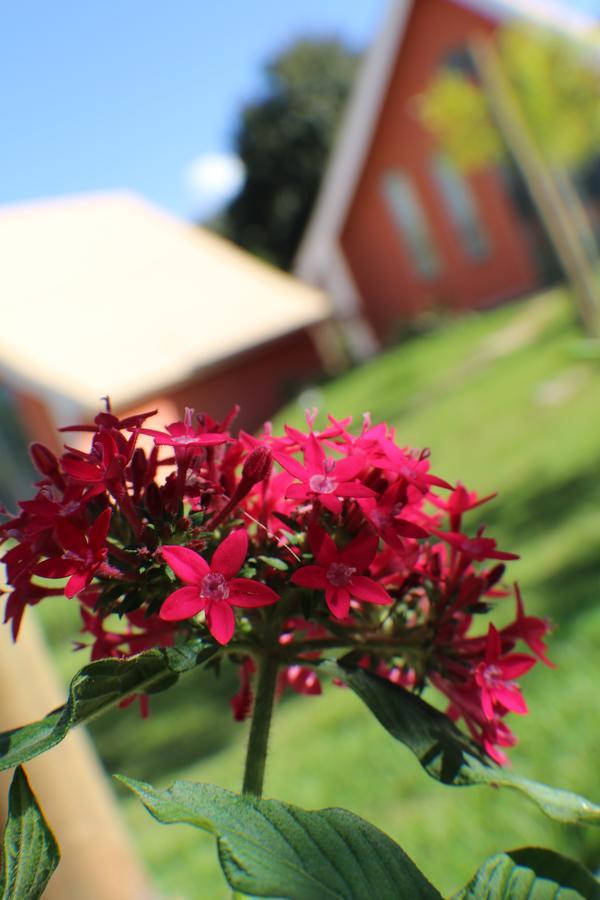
(339, 574)
(214, 586)
(322, 484)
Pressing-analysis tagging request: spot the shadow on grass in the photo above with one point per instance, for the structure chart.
(573, 589)
(533, 510)
(522, 516)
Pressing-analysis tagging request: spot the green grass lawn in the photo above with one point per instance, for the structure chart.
(506, 403)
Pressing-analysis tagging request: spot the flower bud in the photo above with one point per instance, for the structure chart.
(257, 466)
(43, 459)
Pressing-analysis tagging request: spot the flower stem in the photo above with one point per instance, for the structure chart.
(256, 754)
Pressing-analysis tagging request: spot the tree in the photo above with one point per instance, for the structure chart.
(534, 103)
(284, 140)
(557, 86)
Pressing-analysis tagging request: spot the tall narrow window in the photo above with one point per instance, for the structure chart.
(409, 217)
(461, 206)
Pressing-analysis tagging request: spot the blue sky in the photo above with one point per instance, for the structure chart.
(127, 93)
(105, 94)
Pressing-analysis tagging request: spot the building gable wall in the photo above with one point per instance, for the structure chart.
(380, 259)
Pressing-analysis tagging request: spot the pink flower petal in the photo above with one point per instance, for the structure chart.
(314, 457)
(515, 665)
(99, 531)
(327, 551)
(347, 469)
(404, 528)
(338, 601)
(82, 471)
(364, 588)
(297, 491)
(333, 504)
(247, 593)
(71, 538)
(229, 556)
(509, 696)
(487, 704)
(182, 604)
(291, 465)
(310, 577)
(360, 552)
(354, 489)
(54, 568)
(220, 619)
(187, 565)
(77, 582)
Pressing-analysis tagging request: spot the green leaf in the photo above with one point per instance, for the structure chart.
(97, 688)
(29, 851)
(532, 873)
(272, 849)
(446, 753)
(275, 563)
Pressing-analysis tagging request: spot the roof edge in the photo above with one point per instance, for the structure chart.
(352, 144)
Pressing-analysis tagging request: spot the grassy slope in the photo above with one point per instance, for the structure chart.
(503, 405)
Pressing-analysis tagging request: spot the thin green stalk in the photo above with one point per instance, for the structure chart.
(256, 754)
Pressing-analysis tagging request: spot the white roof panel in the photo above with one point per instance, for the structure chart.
(104, 294)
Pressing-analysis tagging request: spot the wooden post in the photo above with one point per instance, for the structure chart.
(97, 859)
(546, 195)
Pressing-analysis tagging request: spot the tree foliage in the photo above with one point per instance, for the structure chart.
(557, 88)
(284, 139)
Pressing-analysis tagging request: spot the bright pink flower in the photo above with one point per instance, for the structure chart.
(385, 514)
(82, 555)
(458, 503)
(495, 675)
(414, 469)
(213, 588)
(184, 436)
(106, 421)
(529, 629)
(322, 478)
(337, 572)
(478, 548)
(302, 680)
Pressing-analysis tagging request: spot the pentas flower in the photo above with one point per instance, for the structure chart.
(495, 677)
(322, 478)
(82, 555)
(140, 633)
(458, 503)
(354, 518)
(213, 588)
(184, 435)
(477, 548)
(529, 629)
(386, 515)
(337, 572)
(414, 470)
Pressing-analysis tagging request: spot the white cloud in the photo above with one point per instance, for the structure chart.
(212, 179)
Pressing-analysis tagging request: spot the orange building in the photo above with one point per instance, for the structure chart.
(397, 228)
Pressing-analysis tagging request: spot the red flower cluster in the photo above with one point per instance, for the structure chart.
(339, 546)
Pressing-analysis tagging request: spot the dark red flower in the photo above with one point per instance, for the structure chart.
(495, 677)
(337, 572)
(322, 478)
(213, 588)
(82, 555)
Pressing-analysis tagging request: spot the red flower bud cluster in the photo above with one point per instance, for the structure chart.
(307, 544)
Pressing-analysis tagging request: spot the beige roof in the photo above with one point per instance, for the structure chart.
(105, 294)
